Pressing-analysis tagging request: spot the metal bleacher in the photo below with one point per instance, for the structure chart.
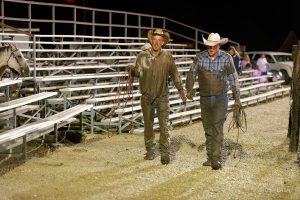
(87, 68)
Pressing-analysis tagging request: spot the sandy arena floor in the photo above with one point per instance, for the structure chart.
(108, 167)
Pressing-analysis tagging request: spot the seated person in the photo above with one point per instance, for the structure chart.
(256, 73)
(245, 62)
(248, 67)
(263, 64)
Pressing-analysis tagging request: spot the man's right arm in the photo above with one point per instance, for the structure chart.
(190, 80)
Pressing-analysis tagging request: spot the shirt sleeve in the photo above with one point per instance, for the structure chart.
(232, 78)
(192, 75)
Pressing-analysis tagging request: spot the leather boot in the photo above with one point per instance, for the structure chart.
(207, 163)
(150, 155)
(165, 158)
(216, 165)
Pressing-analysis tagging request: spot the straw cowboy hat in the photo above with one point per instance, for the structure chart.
(214, 39)
(160, 32)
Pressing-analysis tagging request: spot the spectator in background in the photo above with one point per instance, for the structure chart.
(256, 73)
(236, 59)
(263, 64)
(245, 63)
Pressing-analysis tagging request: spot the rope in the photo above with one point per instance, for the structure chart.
(129, 84)
(128, 80)
(239, 122)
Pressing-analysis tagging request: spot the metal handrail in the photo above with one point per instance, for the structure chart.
(79, 20)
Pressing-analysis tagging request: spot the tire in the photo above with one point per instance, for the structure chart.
(285, 77)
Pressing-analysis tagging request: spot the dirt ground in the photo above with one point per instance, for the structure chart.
(257, 165)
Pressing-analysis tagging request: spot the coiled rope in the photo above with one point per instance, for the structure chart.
(239, 122)
(123, 94)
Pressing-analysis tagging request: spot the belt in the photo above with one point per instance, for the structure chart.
(213, 96)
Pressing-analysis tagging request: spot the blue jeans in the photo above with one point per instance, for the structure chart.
(213, 113)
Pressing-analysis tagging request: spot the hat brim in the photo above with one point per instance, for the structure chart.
(165, 35)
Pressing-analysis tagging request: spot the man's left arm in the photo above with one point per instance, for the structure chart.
(233, 81)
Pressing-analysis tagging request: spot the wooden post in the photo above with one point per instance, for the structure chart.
(294, 118)
(294, 53)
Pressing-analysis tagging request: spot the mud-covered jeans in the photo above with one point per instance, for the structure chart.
(213, 112)
(148, 108)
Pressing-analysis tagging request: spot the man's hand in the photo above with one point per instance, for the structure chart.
(130, 68)
(182, 96)
(190, 95)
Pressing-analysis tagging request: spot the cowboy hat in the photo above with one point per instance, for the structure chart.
(160, 32)
(214, 39)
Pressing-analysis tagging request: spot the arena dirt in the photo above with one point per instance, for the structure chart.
(105, 166)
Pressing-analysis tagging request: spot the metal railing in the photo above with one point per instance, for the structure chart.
(61, 19)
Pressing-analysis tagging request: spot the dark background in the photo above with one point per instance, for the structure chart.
(258, 25)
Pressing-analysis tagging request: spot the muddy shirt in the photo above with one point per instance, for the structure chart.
(154, 73)
(221, 69)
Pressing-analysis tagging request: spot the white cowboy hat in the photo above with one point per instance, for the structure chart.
(214, 39)
(160, 32)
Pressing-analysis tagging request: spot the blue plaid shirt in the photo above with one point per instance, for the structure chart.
(217, 67)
